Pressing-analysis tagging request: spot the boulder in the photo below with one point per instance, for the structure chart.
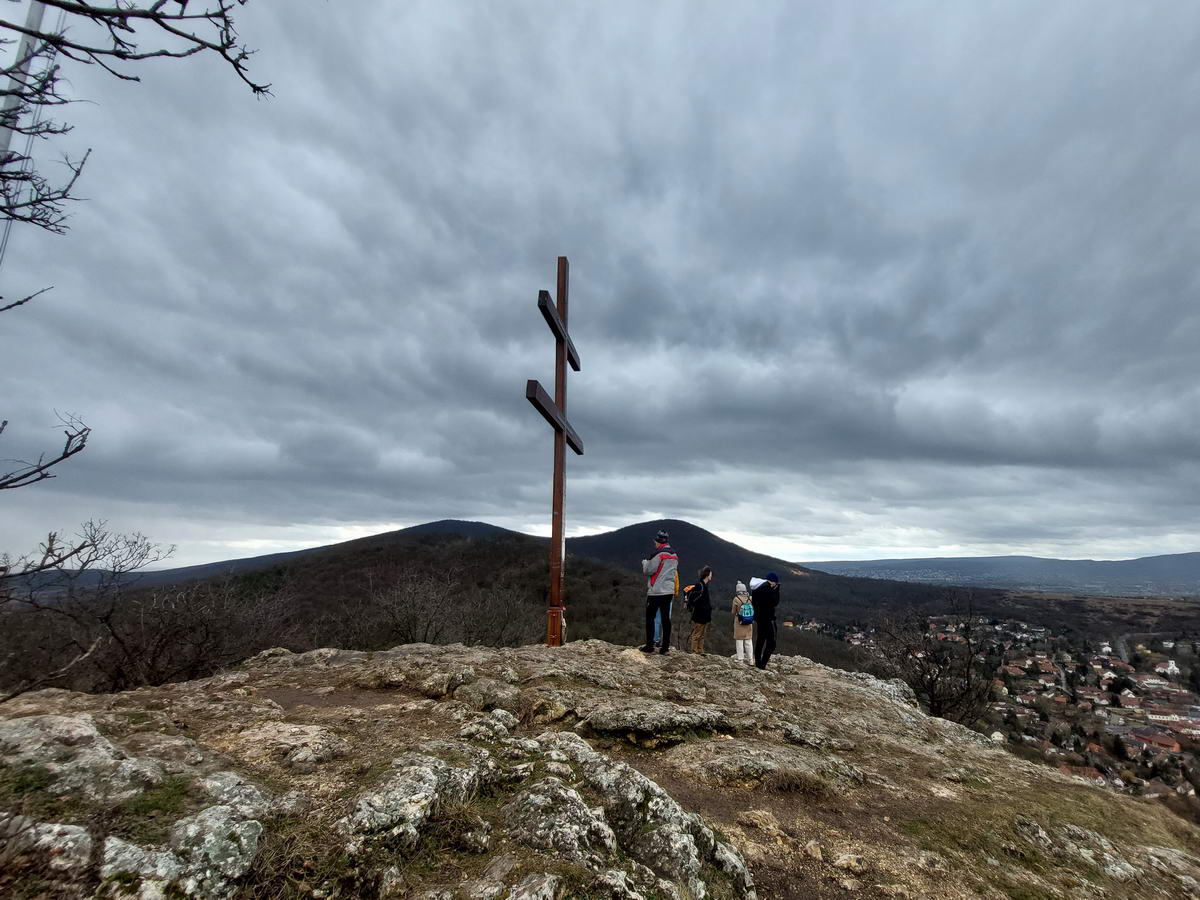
(154, 869)
(650, 825)
(652, 723)
(551, 816)
(538, 887)
(218, 846)
(302, 747)
(65, 849)
(418, 786)
(488, 693)
(81, 759)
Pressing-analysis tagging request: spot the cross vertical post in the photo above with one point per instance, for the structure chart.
(555, 412)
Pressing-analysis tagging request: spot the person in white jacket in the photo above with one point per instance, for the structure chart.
(662, 583)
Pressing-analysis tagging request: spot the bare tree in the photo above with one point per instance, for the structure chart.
(415, 606)
(82, 600)
(950, 671)
(499, 616)
(412, 605)
(111, 37)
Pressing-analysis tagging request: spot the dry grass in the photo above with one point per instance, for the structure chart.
(797, 781)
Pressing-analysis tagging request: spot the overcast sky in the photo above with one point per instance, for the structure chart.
(848, 280)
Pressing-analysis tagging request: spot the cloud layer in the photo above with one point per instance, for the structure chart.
(867, 281)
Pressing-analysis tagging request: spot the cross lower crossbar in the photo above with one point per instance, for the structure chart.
(550, 312)
(537, 395)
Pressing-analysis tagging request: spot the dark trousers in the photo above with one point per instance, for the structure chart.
(764, 642)
(658, 605)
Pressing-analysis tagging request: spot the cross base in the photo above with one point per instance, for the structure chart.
(556, 626)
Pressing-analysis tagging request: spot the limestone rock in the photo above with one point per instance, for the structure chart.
(651, 826)
(777, 759)
(493, 883)
(763, 820)
(62, 848)
(218, 845)
(298, 746)
(653, 722)
(720, 761)
(817, 738)
(549, 815)
(152, 870)
(274, 656)
(82, 760)
(417, 787)
(543, 707)
(538, 887)
(488, 693)
(440, 683)
(232, 790)
(850, 862)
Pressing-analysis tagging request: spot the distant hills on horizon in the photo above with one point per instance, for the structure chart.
(1164, 575)
(1168, 574)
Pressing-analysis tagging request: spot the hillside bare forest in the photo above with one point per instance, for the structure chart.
(107, 628)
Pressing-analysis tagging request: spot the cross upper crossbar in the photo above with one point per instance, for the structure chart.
(550, 312)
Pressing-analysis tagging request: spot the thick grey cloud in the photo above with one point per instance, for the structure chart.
(847, 281)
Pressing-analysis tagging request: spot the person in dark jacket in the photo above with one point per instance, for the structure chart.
(765, 598)
(701, 606)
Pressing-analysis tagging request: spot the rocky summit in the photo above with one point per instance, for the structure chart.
(537, 773)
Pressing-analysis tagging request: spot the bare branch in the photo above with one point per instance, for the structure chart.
(32, 81)
(21, 302)
(28, 473)
(53, 676)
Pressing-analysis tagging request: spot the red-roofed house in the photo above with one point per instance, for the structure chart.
(1160, 741)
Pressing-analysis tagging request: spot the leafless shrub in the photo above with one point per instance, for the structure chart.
(92, 627)
(500, 617)
(414, 606)
(951, 679)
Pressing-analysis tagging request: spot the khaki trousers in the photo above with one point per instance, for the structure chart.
(698, 635)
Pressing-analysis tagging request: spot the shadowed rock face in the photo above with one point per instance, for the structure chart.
(583, 771)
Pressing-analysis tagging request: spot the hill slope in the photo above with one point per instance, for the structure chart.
(331, 570)
(586, 771)
(806, 592)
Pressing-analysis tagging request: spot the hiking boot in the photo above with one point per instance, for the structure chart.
(646, 649)
(665, 650)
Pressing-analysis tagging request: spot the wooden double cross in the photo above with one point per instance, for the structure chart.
(555, 412)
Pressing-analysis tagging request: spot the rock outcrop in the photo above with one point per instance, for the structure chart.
(455, 773)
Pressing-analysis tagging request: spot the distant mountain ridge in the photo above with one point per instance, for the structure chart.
(805, 592)
(1165, 575)
(1176, 573)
